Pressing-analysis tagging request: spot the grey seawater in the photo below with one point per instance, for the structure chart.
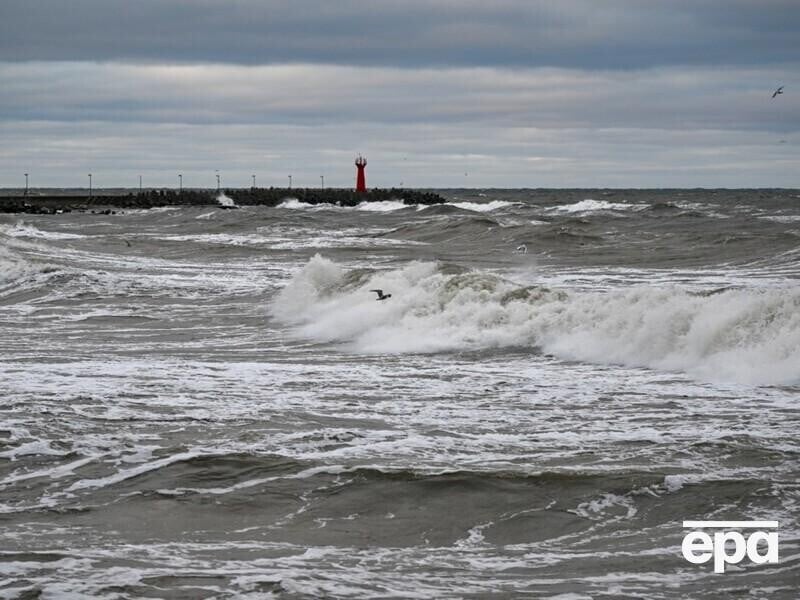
(207, 403)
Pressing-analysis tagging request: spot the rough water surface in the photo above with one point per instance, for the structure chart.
(201, 403)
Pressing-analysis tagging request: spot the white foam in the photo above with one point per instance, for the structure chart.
(295, 204)
(133, 471)
(14, 267)
(597, 508)
(225, 201)
(24, 230)
(149, 211)
(339, 241)
(379, 206)
(747, 336)
(782, 218)
(483, 206)
(590, 204)
(674, 483)
(382, 206)
(297, 238)
(34, 448)
(49, 472)
(224, 239)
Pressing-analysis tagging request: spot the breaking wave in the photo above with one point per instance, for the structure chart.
(379, 206)
(20, 275)
(589, 205)
(294, 204)
(13, 267)
(24, 230)
(225, 201)
(484, 206)
(383, 206)
(737, 335)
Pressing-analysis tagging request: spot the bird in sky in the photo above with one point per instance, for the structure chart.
(381, 295)
(778, 91)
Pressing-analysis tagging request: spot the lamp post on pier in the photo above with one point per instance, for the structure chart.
(180, 183)
(90, 186)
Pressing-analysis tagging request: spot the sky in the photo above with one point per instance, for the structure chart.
(435, 93)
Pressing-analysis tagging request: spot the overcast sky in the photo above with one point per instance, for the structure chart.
(436, 93)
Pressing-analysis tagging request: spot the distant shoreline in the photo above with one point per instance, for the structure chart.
(102, 199)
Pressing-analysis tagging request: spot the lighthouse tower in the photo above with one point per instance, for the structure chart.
(361, 178)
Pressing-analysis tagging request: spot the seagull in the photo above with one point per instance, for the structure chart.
(381, 295)
(778, 91)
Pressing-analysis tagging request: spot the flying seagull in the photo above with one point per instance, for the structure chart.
(778, 91)
(381, 295)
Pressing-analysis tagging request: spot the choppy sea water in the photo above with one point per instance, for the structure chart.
(207, 403)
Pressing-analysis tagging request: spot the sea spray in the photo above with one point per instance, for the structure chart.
(225, 202)
(737, 335)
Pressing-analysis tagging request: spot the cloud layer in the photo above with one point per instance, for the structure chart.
(515, 93)
(531, 33)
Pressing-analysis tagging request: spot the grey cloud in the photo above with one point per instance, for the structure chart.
(668, 98)
(617, 34)
(515, 93)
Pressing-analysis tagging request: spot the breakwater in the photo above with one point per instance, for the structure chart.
(53, 203)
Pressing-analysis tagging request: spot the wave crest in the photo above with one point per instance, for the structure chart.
(590, 205)
(737, 335)
(484, 206)
(25, 230)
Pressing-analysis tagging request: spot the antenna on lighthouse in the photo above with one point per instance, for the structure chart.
(361, 178)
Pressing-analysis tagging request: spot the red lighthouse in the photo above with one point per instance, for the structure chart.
(361, 178)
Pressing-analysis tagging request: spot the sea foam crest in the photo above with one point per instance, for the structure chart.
(225, 201)
(376, 206)
(590, 204)
(484, 206)
(25, 230)
(12, 266)
(294, 204)
(382, 206)
(745, 336)
(17, 272)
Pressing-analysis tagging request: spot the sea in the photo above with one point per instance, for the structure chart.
(199, 402)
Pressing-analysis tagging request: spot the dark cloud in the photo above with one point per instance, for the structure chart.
(616, 34)
(516, 92)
